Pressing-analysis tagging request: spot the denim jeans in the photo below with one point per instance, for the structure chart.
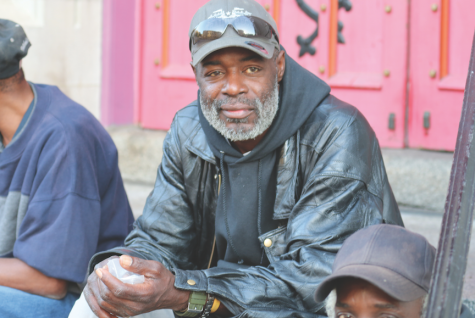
(15, 303)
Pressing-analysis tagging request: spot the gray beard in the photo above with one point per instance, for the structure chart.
(265, 111)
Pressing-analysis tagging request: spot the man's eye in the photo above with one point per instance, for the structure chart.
(344, 316)
(251, 70)
(215, 73)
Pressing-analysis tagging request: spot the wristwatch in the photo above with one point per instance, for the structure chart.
(199, 305)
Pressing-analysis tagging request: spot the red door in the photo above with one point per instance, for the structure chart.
(441, 38)
(375, 43)
(166, 82)
(368, 70)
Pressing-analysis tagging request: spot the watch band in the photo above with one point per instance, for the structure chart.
(208, 306)
(196, 305)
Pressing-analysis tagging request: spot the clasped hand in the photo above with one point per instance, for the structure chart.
(108, 297)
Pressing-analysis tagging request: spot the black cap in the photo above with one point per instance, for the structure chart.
(397, 261)
(14, 46)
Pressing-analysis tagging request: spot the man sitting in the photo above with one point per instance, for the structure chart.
(61, 193)
(380, 271)
(261, 181)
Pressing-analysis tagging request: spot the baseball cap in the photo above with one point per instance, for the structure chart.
(14, 46)
(397, 261)
(228, 9)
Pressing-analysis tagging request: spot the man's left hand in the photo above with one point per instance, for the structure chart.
(123, 300)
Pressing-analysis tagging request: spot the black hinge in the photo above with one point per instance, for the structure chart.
(392, 121)
(426, 122)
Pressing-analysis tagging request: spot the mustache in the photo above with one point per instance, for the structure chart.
(218, 104)
(265, 107)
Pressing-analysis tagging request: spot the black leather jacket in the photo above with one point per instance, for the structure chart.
(331, 182)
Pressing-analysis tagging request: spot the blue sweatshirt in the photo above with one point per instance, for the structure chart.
(61, 193)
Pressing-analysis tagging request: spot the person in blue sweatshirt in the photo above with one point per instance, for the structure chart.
(62, 198)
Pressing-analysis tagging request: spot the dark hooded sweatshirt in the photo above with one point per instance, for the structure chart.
(247, 195)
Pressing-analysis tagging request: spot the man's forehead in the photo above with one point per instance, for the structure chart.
(352, 286)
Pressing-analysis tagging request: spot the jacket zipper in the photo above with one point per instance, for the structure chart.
(214, 241)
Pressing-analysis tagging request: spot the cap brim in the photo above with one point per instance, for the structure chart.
(392, 283)
(232, 39)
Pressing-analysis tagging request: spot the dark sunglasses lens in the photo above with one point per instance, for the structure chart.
(209, 30)
(244, 26)
(261, 28)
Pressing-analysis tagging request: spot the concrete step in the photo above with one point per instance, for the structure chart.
(419, 178)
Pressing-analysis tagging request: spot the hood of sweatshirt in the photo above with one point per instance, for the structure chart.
(247, 194)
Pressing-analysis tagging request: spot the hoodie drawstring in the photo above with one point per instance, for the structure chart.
(259, 205)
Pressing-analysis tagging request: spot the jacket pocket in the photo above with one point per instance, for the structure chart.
(274, 243)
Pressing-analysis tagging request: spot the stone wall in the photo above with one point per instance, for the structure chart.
(66, 37)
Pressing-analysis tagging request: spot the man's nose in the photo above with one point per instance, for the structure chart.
(234, 84)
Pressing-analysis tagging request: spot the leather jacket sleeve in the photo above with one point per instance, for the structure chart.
(165, 231)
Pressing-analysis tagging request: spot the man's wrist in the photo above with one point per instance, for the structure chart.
(182, 298)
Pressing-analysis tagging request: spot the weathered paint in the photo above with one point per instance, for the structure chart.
(440, 42)
(117, 91)
(375, 41)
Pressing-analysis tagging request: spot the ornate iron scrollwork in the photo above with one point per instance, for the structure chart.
(345, 4)
(306, 43)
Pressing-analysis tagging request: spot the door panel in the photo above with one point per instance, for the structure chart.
(166, 80)
(441, 37)
(370, 70)
(375, 43)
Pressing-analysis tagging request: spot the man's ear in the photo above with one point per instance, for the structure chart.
(194, 71)
(280, 65)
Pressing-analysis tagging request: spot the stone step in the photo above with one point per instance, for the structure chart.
(419, 178)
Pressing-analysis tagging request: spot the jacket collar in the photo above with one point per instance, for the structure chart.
(198, 145)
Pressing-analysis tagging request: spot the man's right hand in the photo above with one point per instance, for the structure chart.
(92, 285)
(109, 297)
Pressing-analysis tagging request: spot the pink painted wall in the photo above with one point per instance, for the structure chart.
(117, 98)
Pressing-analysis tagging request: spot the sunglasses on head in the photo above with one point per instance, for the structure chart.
(246, 26)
